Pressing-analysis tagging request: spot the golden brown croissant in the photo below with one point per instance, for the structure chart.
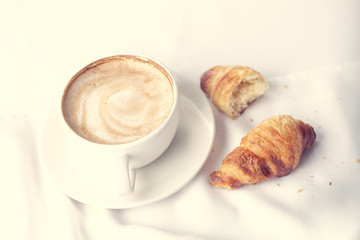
(272, 149)
(232, 88)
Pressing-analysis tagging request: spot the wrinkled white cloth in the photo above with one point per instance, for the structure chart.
(44, 43)
(319, 200)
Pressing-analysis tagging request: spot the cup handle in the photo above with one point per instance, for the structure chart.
(125, 176)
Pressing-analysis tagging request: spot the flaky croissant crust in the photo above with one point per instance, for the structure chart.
(272, 149)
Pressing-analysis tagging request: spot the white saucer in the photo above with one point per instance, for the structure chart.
(156, 181)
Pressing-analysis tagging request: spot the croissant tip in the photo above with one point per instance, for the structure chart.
(204, 79)
(311, 138)
(220, 180)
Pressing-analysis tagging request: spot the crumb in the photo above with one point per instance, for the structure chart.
(300, 190)
(251, 120)
(213, 150)
(330, 183)
(319, 127)
(295, 99)
(324, 157)
(285, 86)
(358, 160)
(234, 118)
(278, 184)
(312, 176)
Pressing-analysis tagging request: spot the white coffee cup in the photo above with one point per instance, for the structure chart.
(117, 161)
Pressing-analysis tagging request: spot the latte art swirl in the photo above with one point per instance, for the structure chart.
(118, 101)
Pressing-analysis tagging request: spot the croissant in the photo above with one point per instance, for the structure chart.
(232, 88)
(271, 149)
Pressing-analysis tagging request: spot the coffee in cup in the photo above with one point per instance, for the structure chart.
(118, 99)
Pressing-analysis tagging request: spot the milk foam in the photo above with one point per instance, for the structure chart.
(119, 101)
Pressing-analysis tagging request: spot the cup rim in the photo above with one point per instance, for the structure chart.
(163, 69)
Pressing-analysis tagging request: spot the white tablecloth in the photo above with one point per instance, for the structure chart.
(307, 50)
